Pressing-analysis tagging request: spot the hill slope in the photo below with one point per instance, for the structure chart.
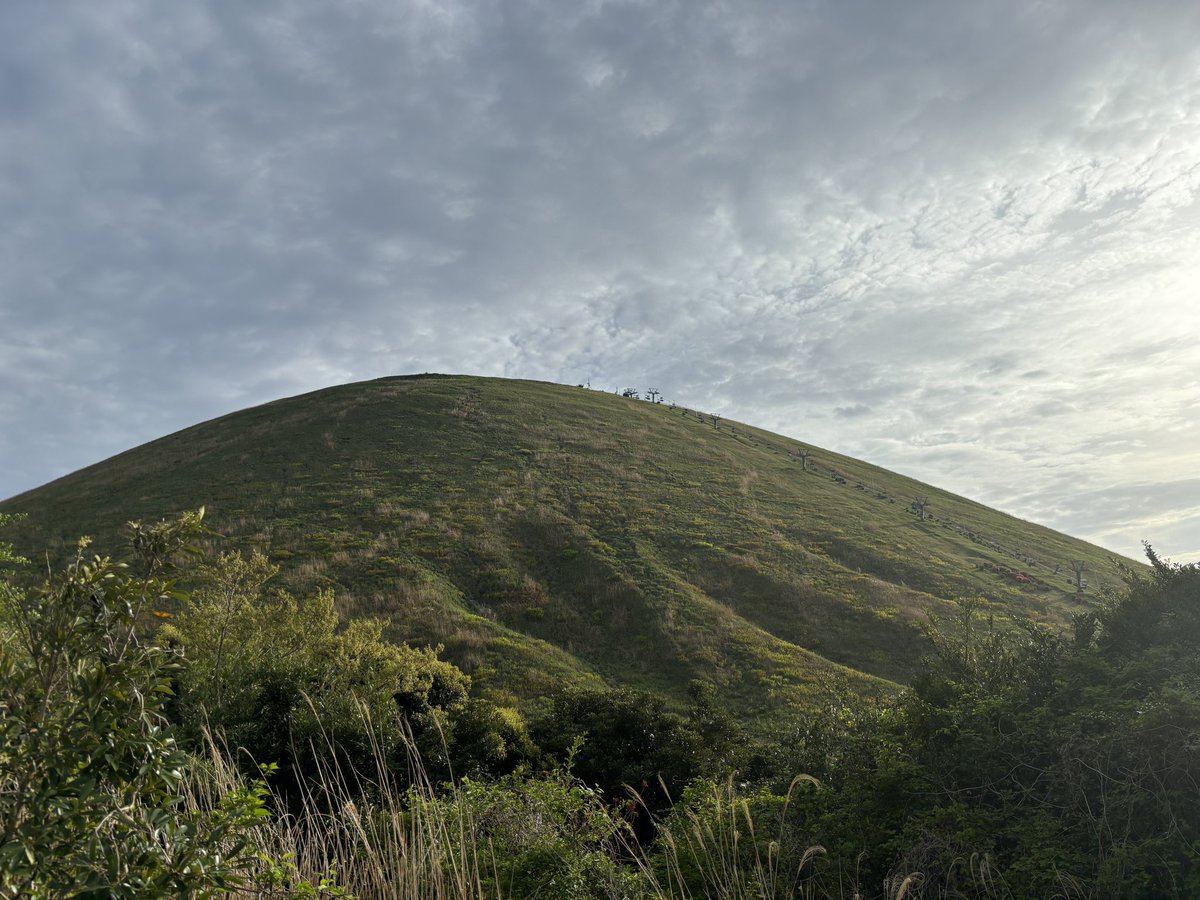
(547, 534)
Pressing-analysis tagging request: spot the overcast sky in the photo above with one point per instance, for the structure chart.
(957, 239)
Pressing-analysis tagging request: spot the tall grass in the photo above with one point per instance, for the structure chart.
(352, 836)
(719, 853)
(380, 838)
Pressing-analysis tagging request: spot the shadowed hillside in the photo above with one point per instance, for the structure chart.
(549, 534)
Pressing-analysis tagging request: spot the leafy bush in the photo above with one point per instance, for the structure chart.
(90, 774)
(487, 739)
(549, 836)
(1032, 762)
(279, 678)
(629, 739)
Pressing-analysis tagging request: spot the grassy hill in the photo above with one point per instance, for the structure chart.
(549, 535)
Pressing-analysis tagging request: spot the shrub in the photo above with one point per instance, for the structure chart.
(90, 774)
(549, 836)
(278, 678)
(629, 740)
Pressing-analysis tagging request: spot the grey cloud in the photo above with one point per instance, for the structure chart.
(958, 220)
(852, 412)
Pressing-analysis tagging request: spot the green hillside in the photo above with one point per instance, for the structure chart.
(548, 535)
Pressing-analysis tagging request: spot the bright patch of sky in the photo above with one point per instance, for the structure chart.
(960, 240)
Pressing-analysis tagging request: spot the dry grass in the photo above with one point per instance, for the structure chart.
(406, 841)
(310, 569)
(398, 844)
(723, 852)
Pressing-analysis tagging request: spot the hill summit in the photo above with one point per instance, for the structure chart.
(549, 535)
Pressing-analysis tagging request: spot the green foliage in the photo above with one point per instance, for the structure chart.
(221, 629)
(8, 556)
(723, 745)
(1033, 763)
(282, 877)
(549, 836)
(719, 842)
(836, 739)
(9, 595)
(1023, 762)
(90, 775)
(629, 740)
(487, 739)
(276, 677)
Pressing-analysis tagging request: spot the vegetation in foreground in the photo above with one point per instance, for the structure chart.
(1024, 762)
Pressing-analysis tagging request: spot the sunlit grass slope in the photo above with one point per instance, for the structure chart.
(548, 534)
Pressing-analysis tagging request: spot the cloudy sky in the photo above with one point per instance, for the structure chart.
(960, 240)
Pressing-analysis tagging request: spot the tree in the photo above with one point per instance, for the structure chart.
(277, 678)
(723, 745)
(224, 616)
(1062, 762)
(629, 738)
(489, 740)
(91, 778)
